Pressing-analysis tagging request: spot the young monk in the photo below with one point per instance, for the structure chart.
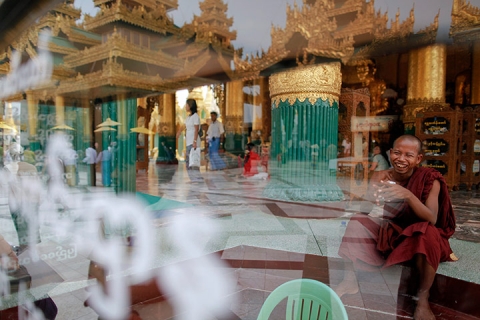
(418, 220)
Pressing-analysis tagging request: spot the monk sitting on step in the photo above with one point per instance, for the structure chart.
(417, 222)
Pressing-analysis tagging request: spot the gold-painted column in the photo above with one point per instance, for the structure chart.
(167, 121)
(476, 74)
(257, 102)
(234, 106)
(233, 120)
(427, 68)
(60, 110)
(166, 128)
(262, 101)
(32, 108)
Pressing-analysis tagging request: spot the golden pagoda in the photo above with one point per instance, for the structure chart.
(211, 51)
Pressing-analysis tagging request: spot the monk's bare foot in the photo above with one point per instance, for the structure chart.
(423, 311)
(349, 284)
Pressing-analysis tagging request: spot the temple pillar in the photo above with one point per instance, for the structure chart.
(124, 153)
(219, 94)
(60, 110)
(165, 127)
(304, 133)
(427, 69)
(87, 122)
(235, 137)
(108, 111)
(32, 110)
(476, 73)
(262, 101)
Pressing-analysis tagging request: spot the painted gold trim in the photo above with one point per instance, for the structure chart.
(318, 81)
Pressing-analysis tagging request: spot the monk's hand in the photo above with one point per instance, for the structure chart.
(389, 191)
(377, 193)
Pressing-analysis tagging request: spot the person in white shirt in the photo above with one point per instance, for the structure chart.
(91, 160)
(192, 125)
(215, 139)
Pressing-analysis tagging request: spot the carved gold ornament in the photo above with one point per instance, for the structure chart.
(465, 21)
(322, 81)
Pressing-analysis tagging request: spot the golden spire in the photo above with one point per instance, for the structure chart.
(213, 25)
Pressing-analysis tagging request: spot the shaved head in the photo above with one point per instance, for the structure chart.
(410, 138)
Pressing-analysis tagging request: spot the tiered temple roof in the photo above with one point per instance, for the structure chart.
(330, 29)
(140, 40)
(211, 51)
(213, 25)
(134, 13)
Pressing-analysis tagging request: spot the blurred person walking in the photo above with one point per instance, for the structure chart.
(91, 159)
(191, 127)
(215, 140)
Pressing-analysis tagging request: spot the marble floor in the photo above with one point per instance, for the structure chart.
(263, 243)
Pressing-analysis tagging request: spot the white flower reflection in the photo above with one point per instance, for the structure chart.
(97, 225)
(198, 288)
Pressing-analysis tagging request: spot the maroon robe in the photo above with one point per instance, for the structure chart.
(251, 162)
(374, 242)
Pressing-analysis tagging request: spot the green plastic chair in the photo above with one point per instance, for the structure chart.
(307, 299)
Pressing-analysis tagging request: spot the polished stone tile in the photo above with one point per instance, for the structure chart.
(267, 243)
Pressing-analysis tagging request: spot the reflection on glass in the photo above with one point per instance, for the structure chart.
(95, 175)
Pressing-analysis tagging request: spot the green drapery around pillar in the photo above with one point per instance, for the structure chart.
(304, 140)
(124, 153)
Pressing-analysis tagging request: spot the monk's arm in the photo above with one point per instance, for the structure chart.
(429, 210)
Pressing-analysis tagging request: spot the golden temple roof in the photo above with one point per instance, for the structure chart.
(333, 29)
(154, 19)
(168, 4)
(212, 25)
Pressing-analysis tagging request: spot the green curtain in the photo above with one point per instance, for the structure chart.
(304, 140)
(109, 110)
(46, 120)
(125, 152)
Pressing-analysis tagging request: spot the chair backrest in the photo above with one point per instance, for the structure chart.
(307, 299)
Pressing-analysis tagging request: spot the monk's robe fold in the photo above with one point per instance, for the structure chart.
(373, 242)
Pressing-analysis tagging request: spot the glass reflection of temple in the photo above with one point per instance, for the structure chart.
(336, 81)
(298, 101)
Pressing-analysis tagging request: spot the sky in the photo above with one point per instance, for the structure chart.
(252, 19)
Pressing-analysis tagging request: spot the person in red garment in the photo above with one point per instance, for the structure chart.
(251, 161)
(417, 222)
